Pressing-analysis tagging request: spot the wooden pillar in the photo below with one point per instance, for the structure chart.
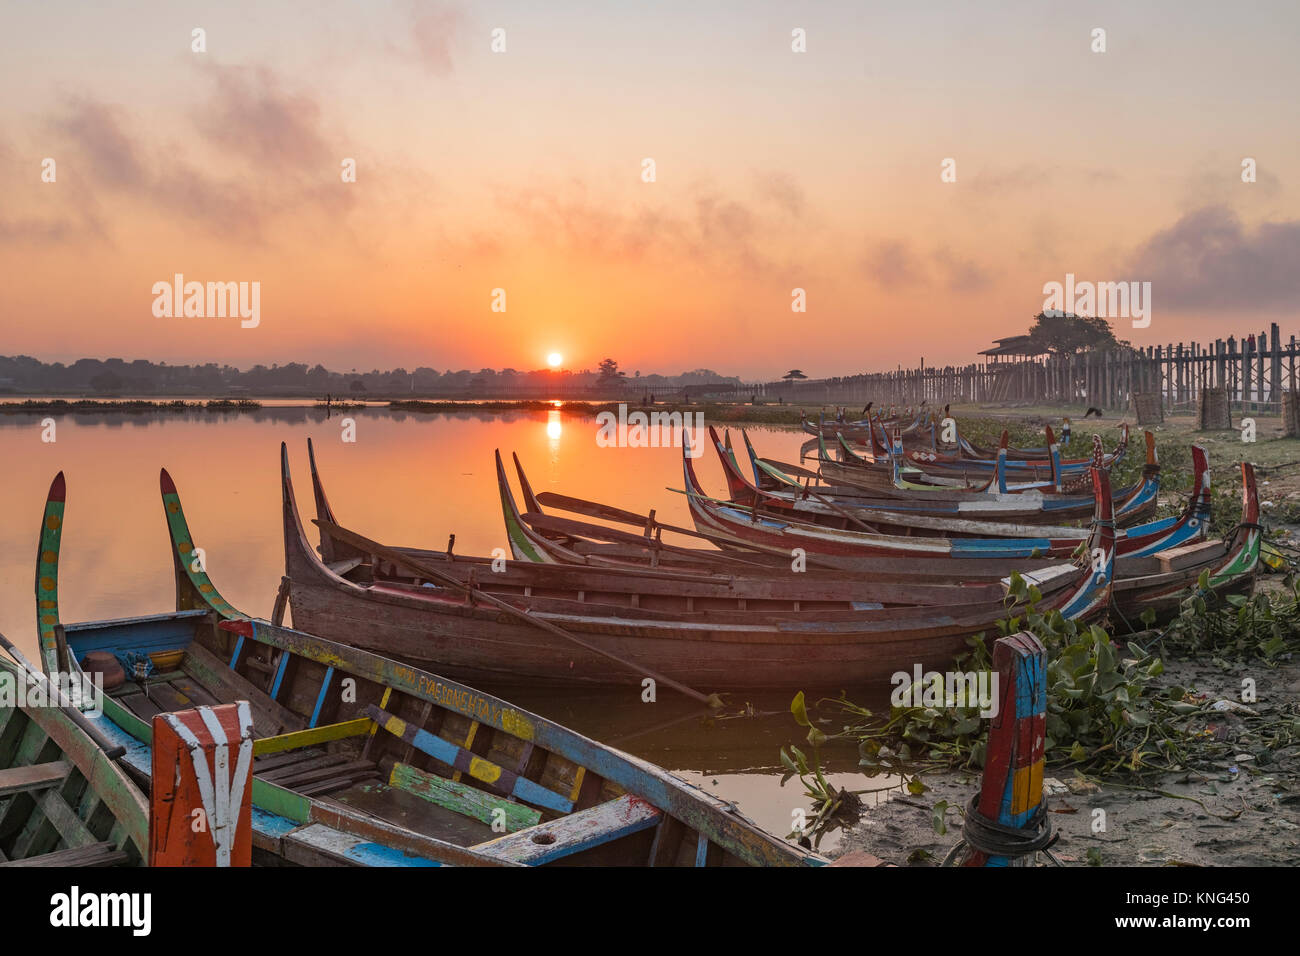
(1012, 787)
(201, 810)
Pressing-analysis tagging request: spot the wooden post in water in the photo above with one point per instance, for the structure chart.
(1012, 788)
(201, 810)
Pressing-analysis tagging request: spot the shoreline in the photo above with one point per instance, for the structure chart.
(1242, 809)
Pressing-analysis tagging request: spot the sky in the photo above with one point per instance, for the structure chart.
(523, 170)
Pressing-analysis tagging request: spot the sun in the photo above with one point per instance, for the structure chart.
(554, 359)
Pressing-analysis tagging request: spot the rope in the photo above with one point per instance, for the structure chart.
(997, 839)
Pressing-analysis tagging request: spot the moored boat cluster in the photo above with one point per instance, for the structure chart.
(885, 550)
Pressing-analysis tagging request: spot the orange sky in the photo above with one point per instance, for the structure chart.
(522, 170)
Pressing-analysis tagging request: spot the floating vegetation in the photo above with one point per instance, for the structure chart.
(1108, 714)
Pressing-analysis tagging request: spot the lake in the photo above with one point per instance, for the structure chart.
(408, 479)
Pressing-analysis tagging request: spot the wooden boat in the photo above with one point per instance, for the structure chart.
(1014, 453)
(451, 612)
(781, 531)
(360, 760)
(64, 800)
(740, 579)
(992, 514)
(1160, 581)
(939, 463)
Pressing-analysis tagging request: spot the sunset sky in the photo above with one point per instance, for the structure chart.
(522, 170)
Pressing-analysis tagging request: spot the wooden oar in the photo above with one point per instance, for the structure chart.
(608, 513)
(567, 526)
(796, 471)
(478, 594)
(111, 750)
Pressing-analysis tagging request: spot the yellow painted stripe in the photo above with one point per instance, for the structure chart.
(313, 735)
(383, 705)
(577, 784)
(484, 770)
(1027, 786)
(469, 742)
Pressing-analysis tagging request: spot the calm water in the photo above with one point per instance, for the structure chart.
(409, 479)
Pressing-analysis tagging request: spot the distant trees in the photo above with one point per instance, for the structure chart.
(107, 381)
(23, 374)
(609, 373)
(1069, 334)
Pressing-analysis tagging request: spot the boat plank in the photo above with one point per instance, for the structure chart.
(462, 798)
(33, 777)
(575, 833)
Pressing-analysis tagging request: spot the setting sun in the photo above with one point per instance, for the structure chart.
(554, 359)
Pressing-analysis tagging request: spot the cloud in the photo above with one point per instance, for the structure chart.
(433, 29)
(782, 190)
(1209, 260)
(251, 113)
(892, 264)
(31, 231)
(271, 160)
(959, 274)
(719, 229)
(97, 131)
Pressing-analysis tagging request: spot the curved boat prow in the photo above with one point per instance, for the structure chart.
(1054, 457)
(1000, 473)
(531, 503)
(47, 577)
(1094, 591)
(194, 589)
(323, 509)
(521, 547)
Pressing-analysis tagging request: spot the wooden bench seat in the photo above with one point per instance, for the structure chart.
(33, 777)
(95, 854)
(576, 832)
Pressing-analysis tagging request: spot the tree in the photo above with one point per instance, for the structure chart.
(609, 372)
(1069, 334)
(794, 373)
(358, 385)
(107, 381)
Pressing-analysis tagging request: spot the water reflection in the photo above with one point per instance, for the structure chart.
(411, 479)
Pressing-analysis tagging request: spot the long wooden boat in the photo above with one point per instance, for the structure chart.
(64, 799)
(990, 513)
(739, 579)
(1158, 578)
(361, 760)
(1160, 581)
(452, 613)
(537, 535)
(777, 531)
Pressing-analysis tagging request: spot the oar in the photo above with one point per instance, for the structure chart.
(555, 524)
(606, 512)
(478, 594)
(111, 750)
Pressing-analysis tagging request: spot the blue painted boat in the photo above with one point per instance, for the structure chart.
(361, 760)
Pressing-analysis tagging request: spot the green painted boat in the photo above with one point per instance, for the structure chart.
(64, 799)
(361, 760)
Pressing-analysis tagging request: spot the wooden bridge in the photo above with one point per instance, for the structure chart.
(1255, 371)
